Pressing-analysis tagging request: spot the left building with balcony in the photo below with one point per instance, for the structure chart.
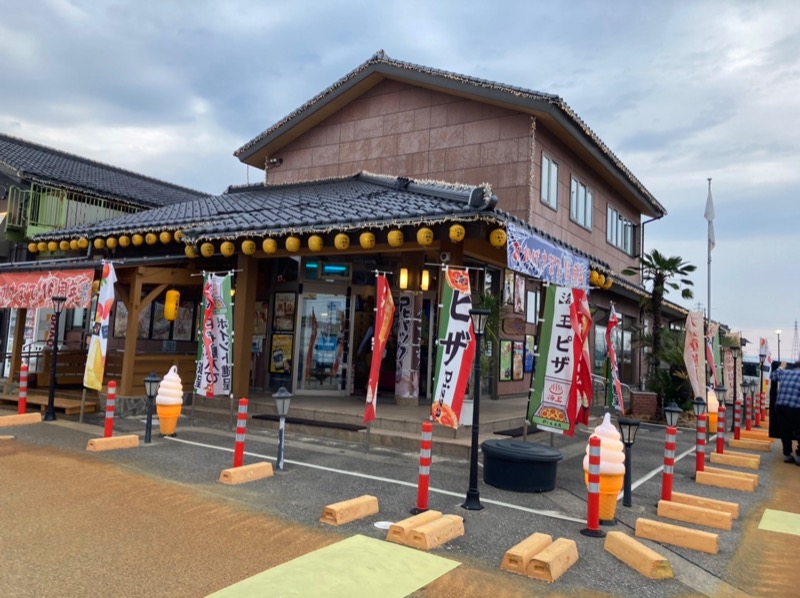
(44, 190)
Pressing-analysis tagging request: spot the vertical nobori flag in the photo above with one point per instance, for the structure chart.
(456, 350)
(383, 326)
(614, 398)
(581, 391)
(709, 214)
(549, 406)
(215, 343)
(693, 353)
(98, 344)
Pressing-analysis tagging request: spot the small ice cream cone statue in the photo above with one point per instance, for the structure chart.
(168, 402)
(612, 467)
(713, 410)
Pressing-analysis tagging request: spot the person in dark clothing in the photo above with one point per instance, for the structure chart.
(785, 387)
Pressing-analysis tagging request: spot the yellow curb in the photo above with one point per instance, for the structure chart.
(553, 561)
(695, 514)
(246, 473)
(639, 557)
(20, 419)
(113, 443)
(707, 503)
(349, 510)
(677, 536)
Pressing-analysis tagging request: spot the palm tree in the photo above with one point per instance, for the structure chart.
(662, 273)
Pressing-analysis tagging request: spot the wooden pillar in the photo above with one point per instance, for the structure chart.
(129, 356)
(16, 348)
(243, 314)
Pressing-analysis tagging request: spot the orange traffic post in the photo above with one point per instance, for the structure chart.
(241, 429)
(423, 485)
(737, 418)
(721, 429)
(748, 413)
(22, 404)
(111, 399)
(700, 448)
(669, 463)
(592, 528)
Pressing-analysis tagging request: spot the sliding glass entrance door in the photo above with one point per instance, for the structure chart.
(323, 341)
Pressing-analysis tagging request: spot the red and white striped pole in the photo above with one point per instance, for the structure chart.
(700, 448)
(669, 463)
(593, 503)
(748, 417)
(756, 400)
(737, 418)
(763, 399)
(721, 417)
(424, 483)
(241, 429)
(111, 399)
(22, 404)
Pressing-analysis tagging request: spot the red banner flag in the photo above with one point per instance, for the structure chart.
(581, 390)
(383, 325)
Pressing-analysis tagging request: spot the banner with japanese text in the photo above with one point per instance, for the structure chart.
(35, 290)
(766, 365)
(409, 333)
(581, 390)
(553, 405)
(530, 254)
(614, 399)
(712, 356)
(694, 353)
(384, 315)
(456, 349)
(215, 344)
(98, 343)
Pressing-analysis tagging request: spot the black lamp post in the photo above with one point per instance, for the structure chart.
(50, 412)
(699, 406)
(282, 400)
(735, 352)
(778, 332)
(150, 388)
(628, 427)
(473, 500)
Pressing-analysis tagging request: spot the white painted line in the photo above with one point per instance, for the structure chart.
(551, 514)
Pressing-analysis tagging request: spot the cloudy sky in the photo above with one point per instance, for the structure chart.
(682, 91)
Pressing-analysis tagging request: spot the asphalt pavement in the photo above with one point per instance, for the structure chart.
(320, 472)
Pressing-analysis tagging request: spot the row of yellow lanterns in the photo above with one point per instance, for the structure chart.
(600, 280)
(136, 240)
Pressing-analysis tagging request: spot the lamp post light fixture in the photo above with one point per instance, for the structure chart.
(282, 400)
(628, 428)
(735, 353)
(150, 389)
(50, 412)
(479, 317)
(778, 332)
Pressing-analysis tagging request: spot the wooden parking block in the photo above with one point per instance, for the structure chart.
(517, 557)
(755, 434)
(350, 510)
(751, 445)
(113, 443)
(707, 503)
(636, 555)
(20, 419)
(246, 473)
(733, 472)
(551, 563)
(695, 514)
(6, 437)
(748, 455)
(677, 535)
(764, 423)
(725, 481)
(437, 532)
(399, 532)
(736, 460)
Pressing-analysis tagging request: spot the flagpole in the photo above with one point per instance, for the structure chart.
(708, 245)
(709, 215)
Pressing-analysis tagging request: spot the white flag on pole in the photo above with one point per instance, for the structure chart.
(710, 217)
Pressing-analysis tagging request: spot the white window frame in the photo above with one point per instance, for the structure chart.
(580, 203)
(549, 191)
(619, 230)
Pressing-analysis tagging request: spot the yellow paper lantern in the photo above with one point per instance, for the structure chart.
(150, 238)
(33, 247)
(315, 243)
(341, 241)
(111, 243)
(457, 233)
(124, 241)
(52, 246)
(207, 249)
(292, 244)
(395, 238)
(601, 280)
(137, 240)
(366, 240)
(83, 243)
(73, 244)
(63, 245)
(497, 237)
(248, 246)
(99, 243)
(269, 245)
(41, 246)
(165, 237)
(424, 236)
(178, 236)
(171, 304)
(227, 248)
(95, 286)
(190, 252)
(608, 283)
(593, 276)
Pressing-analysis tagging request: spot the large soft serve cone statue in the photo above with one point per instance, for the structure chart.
(612, 467)
(168, 401)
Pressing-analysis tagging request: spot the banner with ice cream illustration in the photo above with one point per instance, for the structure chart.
(383, 326)
(693, 354)
(553, 405)
(98, 343)
(456, 350)
(215, 345)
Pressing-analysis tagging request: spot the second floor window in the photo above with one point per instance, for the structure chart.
(619, 231)
(580, 204)
(549, 182)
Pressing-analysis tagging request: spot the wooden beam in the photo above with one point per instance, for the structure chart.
(677, 535)
(736, 460)
(517, 557)
(113, 443)
(16, 348)
(131, 334)
(349, 510)
(733, 472)
(725, 481)
(551, 563)
(243, 315)
(401, 531)
(752, 445)
(436, 532)
(636, 555)
(707, 503)
(246, 473)
(695, 514)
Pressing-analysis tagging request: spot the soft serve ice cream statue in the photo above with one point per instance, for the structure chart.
(612, 466)
(168, 401)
